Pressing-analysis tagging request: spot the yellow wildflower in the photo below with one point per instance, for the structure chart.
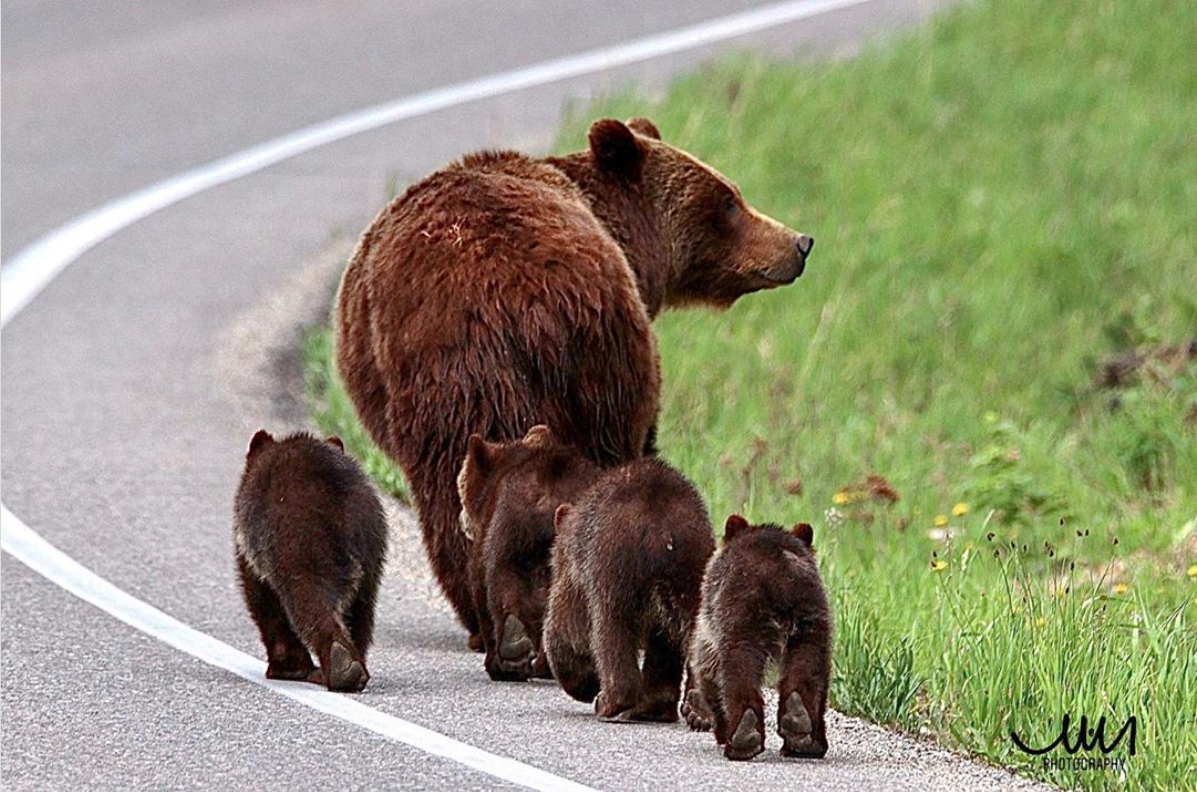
(960, 509)
(841, 498)
(939, 565)
(941, 520)
(1193, 571)
(1121, 588)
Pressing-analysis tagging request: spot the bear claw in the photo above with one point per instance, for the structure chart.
(747, 741)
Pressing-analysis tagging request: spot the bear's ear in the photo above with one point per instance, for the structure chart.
(538, 435)
(805, 532)
(734, 526)
(560, 515)
(260, 440)
(642, 126)
(333, 440)
(615, 149)
(478, 455)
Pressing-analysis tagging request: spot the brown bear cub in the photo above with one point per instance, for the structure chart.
(762, 600)
(311, 541)
(509, 493)
(627, 576)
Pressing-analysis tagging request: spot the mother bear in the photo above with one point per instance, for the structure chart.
(506, 291)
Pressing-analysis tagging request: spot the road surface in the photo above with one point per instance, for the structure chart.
(133, 380)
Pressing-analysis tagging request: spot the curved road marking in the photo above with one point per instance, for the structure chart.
(22, 543)
(39, 263)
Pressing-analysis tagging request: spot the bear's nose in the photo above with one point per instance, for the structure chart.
(805, 244)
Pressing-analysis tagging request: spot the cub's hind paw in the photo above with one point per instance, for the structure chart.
(661, 708)
(748, 739)
(289, 670)
(345, 673)
(613, 712)
(500, 670)
(515, 645)
(697, 712)
(797, 731)
(513, 660)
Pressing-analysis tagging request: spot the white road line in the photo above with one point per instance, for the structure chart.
(39, 263)
(23, 544)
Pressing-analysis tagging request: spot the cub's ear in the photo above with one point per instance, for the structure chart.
(260, 440)
(333, 440)
(804, 532)
(478, 455)
(734, 526)
(615, 149)
(538, 435)
(642, 126)
(560, 515)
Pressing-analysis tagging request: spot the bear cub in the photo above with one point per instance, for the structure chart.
(311, 542)
(509, 494)
(627, 576)
(762, 600)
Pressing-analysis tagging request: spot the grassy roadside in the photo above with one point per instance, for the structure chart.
(1000, 202)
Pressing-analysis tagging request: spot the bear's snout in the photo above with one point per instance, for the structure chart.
(805, 245)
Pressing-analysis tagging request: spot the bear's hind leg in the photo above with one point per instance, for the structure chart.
(664, 665)
(286, 656)
(802, 706)
(742, 669)
(516, 633)
(614, 639)
(567, 642)
(360, 618)
(312, 610)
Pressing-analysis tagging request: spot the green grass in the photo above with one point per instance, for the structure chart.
(999, 201)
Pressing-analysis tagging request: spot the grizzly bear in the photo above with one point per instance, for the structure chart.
(762, 600)
(627, 575)
(509, 494)
(505, 291)
(311, 541)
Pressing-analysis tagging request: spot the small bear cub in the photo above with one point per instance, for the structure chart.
(627, 576)
(762, 600)
(509, 494)
(311, 542)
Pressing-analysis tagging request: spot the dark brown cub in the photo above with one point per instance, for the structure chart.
(762, 599)
(509, 493)
(627, 574)
(311, 543)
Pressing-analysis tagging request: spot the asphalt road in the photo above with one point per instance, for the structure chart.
(131, 384)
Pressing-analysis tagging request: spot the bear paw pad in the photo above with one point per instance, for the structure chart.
(796, 730)
(748, 739)
(345, 672)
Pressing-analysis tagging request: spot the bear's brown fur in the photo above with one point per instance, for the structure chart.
(762, 599)
(627, 574)
(505, 291)
(311, 542)
(509, 494)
